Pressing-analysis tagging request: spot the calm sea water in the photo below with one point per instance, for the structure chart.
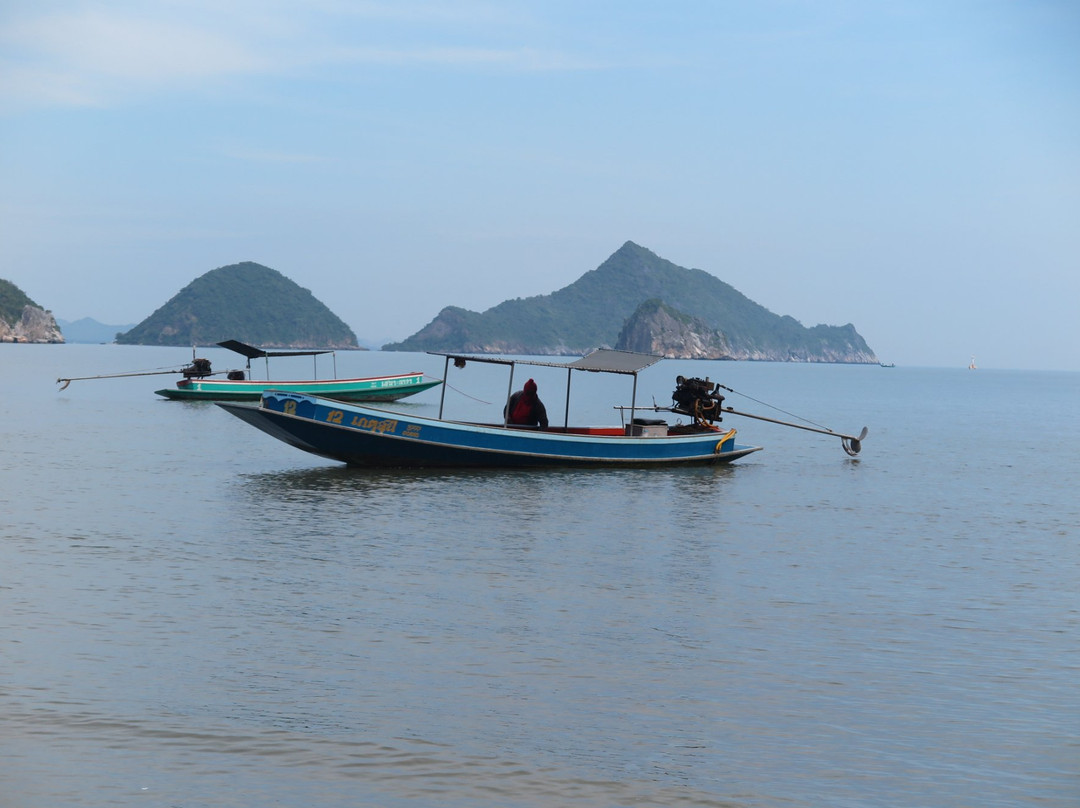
(194, 614)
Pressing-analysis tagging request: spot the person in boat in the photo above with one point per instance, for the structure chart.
(526, 408)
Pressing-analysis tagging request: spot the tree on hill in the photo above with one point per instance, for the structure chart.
(12, 302)
(246, 302)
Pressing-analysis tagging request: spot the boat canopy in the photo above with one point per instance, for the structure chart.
(602, 360)
(251, 352)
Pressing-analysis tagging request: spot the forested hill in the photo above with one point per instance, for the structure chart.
(591, 312)
(246, 302)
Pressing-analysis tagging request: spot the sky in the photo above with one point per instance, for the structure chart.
(912, 168)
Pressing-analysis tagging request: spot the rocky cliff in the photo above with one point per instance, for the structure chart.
(657, 328)
(23, 320)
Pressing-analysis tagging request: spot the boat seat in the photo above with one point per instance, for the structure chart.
(650, 422)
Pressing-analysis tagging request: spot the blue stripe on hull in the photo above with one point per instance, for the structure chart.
(370, 437)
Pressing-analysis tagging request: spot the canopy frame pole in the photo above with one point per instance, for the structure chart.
(566, 413)
(509, 392)
(442, 395)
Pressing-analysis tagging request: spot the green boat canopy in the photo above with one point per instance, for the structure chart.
(251, 352)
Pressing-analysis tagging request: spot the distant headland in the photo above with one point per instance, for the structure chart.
(637, 300)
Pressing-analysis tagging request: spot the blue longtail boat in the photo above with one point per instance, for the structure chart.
(361, 435)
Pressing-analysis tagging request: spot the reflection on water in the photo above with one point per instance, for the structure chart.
(294, 485)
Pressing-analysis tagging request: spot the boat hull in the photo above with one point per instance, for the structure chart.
(376, 388)
(367, 436)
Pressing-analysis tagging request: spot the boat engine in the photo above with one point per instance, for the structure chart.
(197, 369)
(698, 398)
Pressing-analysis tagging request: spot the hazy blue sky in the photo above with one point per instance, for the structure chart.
(910, 167)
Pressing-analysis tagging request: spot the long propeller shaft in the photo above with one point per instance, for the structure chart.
(852, 443)
(66, 382)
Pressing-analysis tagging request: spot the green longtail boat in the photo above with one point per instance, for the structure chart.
(239, 386)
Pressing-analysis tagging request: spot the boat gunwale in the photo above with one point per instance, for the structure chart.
(343, 390)
(271, 384)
